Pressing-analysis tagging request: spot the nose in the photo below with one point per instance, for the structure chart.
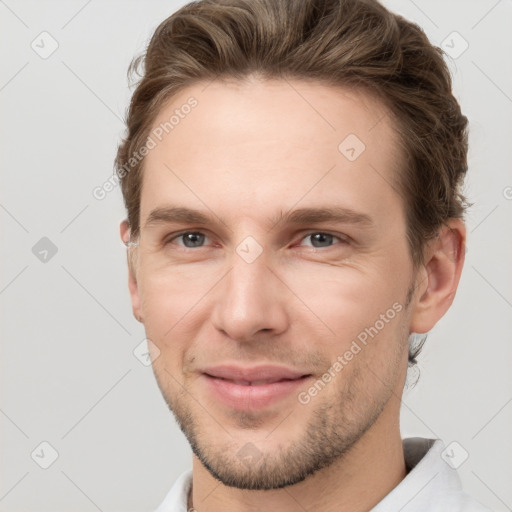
(251, 300)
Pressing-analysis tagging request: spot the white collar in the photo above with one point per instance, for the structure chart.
(430, 485)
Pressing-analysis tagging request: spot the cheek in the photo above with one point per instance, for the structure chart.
(343, 301)
(169, 291)
(171, 299)
(167, 305)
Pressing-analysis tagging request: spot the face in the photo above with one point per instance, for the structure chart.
(273, 275)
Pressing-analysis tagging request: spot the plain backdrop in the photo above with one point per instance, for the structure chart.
(69, 376)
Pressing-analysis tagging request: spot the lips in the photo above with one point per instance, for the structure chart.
(254, 376)
(249, 388)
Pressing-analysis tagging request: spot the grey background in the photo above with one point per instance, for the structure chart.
(68, 373)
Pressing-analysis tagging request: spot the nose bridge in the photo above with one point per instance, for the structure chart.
(250, 299)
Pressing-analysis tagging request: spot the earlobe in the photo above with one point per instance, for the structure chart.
(438, 282)
(133, 287)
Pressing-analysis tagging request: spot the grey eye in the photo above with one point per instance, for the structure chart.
(192, 239)
(321, 239)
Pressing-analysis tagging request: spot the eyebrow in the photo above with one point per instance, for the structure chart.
(175, 214)
(169, 214)
(326, 214)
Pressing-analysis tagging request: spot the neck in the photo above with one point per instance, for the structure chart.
(359, 480)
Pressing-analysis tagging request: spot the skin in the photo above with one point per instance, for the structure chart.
(247, 153)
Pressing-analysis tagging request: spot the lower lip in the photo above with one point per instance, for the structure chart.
(238, 396)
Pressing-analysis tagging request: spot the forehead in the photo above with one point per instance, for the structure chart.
(260, 146)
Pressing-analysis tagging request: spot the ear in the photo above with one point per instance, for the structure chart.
(124, 229)
(439, 277)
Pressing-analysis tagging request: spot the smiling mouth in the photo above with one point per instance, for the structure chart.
(253, 395)
(257, 382)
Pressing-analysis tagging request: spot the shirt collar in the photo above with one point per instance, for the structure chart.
(431, 484)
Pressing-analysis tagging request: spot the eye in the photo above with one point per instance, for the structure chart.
(196, 239)
(320, 239)
(189, 239)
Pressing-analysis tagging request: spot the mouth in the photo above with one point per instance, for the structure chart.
(252, 392)
(255, 382)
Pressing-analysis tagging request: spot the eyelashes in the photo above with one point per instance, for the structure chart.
(322, 238)
(197, 239)
(194, 238)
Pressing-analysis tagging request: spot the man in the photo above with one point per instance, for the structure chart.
(292, 175)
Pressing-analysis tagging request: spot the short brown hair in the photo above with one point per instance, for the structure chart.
(351, 43)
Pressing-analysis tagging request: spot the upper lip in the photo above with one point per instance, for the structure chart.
(267, 373)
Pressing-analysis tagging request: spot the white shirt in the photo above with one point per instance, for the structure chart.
(431, 485)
